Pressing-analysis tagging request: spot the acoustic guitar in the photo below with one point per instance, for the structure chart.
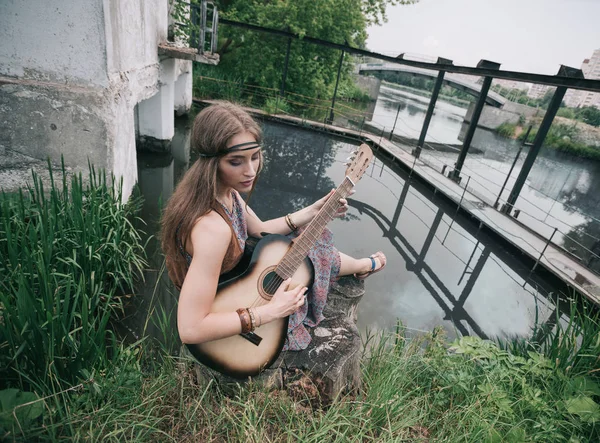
(274, 259)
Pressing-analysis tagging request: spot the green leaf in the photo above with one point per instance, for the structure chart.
(516, 435)
(584, 386)
(586, 408)
(493, 436)
(18, 406)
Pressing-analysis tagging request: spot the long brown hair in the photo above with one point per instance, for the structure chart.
(196, 193)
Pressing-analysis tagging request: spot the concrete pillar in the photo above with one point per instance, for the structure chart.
(183, 92)
(155, 115)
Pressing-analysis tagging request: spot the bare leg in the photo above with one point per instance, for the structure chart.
(350, 265)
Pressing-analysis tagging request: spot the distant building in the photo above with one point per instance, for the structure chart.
(591, 70)
(511, 84)
(537, 91)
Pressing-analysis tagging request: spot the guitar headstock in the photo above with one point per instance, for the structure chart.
(358, 162)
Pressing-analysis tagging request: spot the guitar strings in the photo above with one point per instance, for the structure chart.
(277, 280)
(329, 205)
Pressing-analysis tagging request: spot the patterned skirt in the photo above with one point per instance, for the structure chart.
(326, 262)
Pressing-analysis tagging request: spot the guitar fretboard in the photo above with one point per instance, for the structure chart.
(302, 244)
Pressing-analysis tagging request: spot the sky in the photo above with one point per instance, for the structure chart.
(523, 35)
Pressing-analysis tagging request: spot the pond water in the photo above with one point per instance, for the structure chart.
(560, 191)
(441, 270)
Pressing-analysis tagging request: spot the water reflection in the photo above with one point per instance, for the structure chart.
(559, 192)
(442, 270)
(445, 124)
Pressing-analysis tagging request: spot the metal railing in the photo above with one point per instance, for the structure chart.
(566, 78)
(203, 21)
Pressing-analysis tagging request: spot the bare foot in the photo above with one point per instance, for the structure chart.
(377, 262)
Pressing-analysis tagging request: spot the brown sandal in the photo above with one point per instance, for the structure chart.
(382, 261)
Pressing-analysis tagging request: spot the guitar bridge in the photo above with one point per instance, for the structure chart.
(252, 338)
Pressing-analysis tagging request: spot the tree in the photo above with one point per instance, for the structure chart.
(258, 58)
(589, 115)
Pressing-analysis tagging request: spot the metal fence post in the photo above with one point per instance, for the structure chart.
(337, 81)
(543, 250)
(564, 71)
(395, 121)
(512, 167)
(458, 206)
(485, 87)
(285, 66)
(434, 96)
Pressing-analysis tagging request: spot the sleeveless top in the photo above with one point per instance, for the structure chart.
(239, 233)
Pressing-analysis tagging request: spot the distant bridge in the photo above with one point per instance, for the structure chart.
(456, 81)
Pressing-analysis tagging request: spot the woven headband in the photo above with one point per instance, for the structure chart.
(235, 148)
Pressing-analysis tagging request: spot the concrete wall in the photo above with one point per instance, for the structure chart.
(52, 41)
(369, 84)
(492, 117)
(518, 108)
(133, 30)
(72, 73)
(47, 120)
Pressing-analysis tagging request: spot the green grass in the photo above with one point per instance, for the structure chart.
(68, 253)
(571, 341)
(413, 390)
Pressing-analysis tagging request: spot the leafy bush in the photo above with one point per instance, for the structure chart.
(351, 92)
(477, 392)
(589, 115)
(276, 105)
(566, 112)
(506, 129)
(560, 138)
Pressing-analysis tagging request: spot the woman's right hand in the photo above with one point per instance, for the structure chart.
(286, 302)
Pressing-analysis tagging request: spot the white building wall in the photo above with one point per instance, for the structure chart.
(537, 91)
(591, 70)
(133, 32)
(61, 42)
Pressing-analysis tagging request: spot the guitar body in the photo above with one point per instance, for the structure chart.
(237, 356)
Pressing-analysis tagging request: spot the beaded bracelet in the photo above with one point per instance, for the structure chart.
(252, 319)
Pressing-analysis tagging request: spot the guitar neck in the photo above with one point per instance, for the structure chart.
(309, 237)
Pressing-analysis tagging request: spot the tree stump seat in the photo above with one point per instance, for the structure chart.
(330, 365)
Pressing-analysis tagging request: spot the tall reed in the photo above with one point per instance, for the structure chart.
(67, 253)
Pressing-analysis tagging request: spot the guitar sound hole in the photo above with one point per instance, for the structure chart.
(271, 282)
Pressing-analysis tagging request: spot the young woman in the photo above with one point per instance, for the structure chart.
(206, 223)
